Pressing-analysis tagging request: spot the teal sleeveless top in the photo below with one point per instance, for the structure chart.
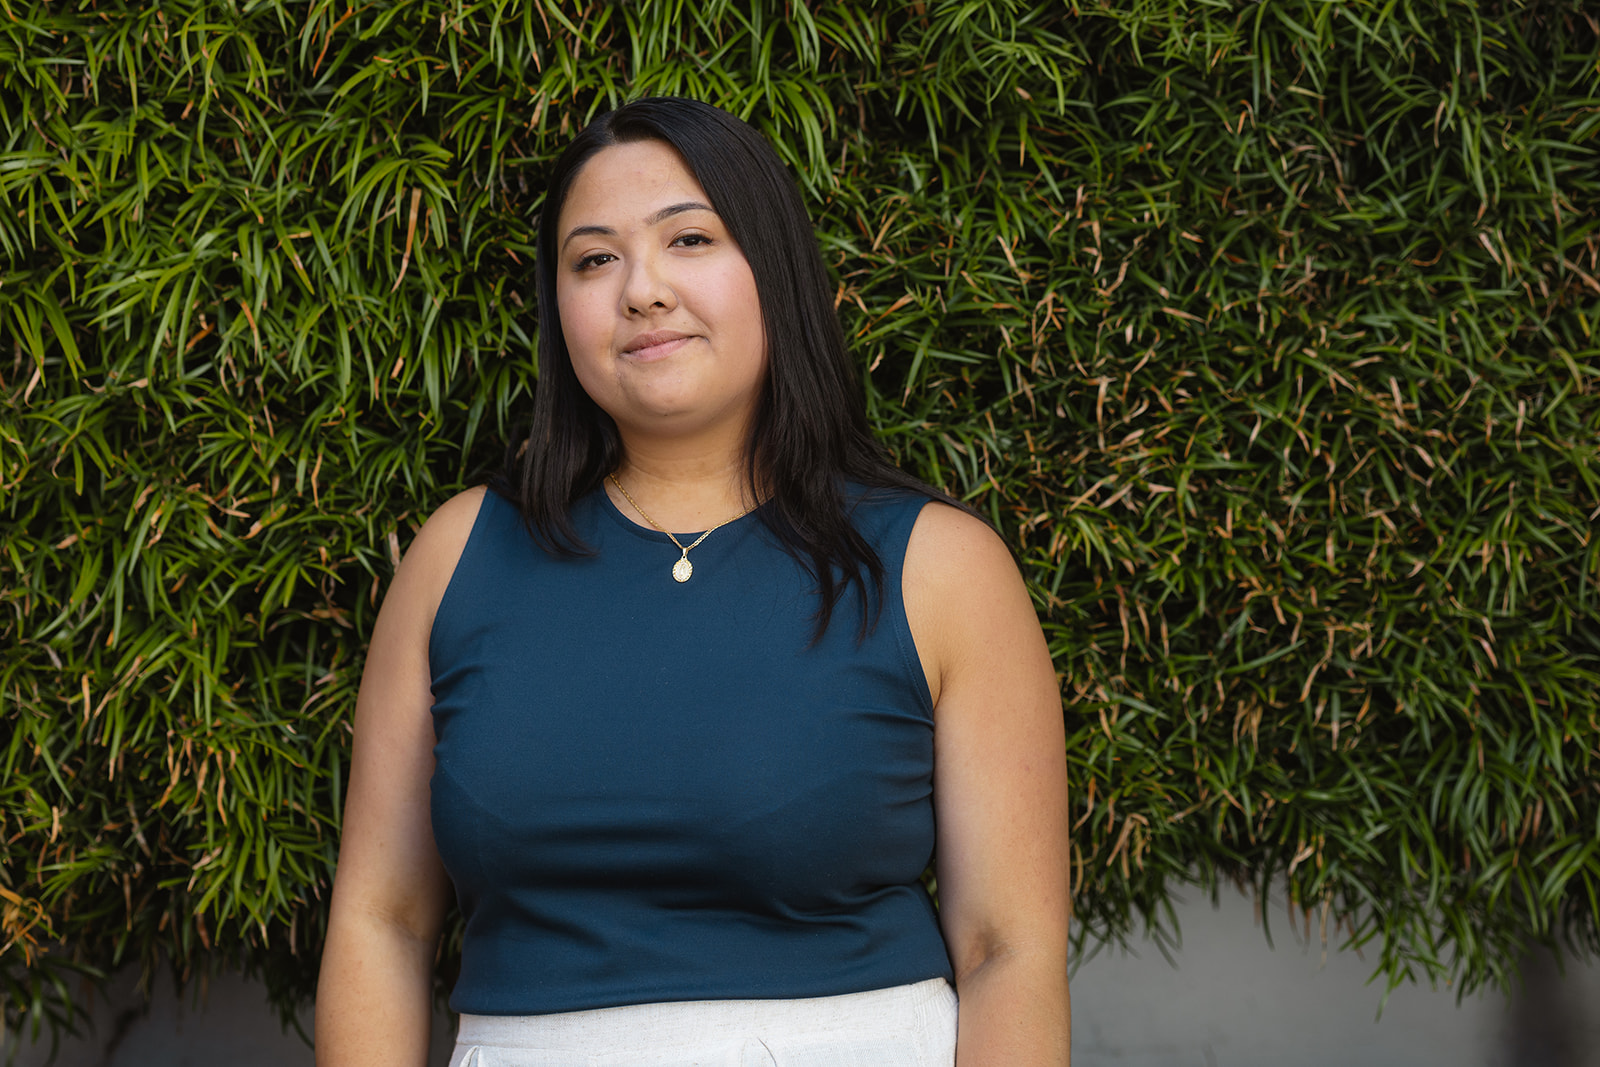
(651, 791)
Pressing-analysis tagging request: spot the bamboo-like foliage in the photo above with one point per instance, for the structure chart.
(1264, 332)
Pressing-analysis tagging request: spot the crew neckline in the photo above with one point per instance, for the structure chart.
(650, 533)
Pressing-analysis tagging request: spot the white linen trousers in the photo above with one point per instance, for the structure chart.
(902, 1026)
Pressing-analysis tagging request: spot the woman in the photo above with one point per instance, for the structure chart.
(685, 783)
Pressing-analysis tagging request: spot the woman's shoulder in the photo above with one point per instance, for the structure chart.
(965, 598)
(936, 523)
(431, 559)
(447, 529)
(952, 546)
(943, 540)
(882, 502)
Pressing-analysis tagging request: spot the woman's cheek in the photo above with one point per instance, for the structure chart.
(580, 325)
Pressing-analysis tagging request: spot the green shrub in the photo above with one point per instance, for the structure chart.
(1263, 331)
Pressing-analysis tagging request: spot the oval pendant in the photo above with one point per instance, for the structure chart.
(682, 569)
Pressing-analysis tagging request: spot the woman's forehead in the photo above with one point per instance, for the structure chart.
(630, 184)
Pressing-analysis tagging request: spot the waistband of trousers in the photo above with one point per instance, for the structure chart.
(694, 1022)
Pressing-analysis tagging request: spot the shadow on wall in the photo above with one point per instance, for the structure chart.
(1551, 1023)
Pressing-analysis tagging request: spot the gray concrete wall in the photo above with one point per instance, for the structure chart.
(1231, 1001)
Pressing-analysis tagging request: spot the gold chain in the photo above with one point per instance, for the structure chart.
(683, 569)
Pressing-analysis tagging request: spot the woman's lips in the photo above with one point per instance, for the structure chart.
(655, 349)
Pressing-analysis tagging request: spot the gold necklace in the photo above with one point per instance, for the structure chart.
(683, 569)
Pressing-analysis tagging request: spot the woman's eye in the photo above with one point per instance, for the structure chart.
(692, 239)
(594, 259)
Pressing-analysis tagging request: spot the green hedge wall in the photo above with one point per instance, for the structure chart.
(1264, 332)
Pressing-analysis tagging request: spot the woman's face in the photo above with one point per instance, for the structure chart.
(658, 305)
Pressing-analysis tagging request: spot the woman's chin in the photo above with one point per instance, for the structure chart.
(680, 416)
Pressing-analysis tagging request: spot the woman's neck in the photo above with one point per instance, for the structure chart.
(681, 490)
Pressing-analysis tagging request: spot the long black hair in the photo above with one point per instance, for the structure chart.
(809, 434)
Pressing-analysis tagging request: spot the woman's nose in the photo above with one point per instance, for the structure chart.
(647, 287)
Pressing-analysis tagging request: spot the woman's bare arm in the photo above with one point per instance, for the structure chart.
(391, 891)
(1000, 792)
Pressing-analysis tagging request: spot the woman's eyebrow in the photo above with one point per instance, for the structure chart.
(677, 209)
(659, 216)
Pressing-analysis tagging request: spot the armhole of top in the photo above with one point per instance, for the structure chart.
(894, 602)
(486, 503)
